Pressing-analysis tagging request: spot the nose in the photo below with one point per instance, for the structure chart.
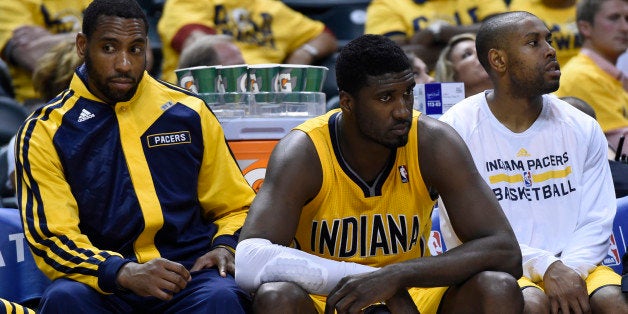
(624, 23)
(123, 62)
(551, 52)
(403, 108)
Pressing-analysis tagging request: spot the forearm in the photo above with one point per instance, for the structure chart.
(26, 54)
(318, 48)
(458, 264)
(259, 261)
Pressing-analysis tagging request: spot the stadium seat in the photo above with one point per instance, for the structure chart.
(619, 237)
(22, 282)
(12, 115)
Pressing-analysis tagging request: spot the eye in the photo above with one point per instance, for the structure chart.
(533, 43)
(137, 50)
(108, 48)
(385, 97)
(467, 54)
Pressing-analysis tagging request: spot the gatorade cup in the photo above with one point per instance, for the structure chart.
(263, 82)
(206, 81)
(314, 78)
(186, 80)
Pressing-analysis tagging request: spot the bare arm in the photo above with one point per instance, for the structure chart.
(30, 43)
(427, 45)
(293, 176)
(488, 240)
(323, 45)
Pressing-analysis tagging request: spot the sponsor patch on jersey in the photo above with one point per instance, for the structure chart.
(173, 138)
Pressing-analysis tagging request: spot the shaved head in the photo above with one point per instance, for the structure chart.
(495, 32)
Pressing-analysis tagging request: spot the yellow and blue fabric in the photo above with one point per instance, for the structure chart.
(102, 185)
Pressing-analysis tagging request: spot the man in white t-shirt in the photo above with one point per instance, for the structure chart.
(547, 164)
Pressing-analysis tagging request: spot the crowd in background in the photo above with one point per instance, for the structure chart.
(39, 55)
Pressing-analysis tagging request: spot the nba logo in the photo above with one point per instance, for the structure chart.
(527, 178)
(435, 243)
(613, 257)
(403, 172)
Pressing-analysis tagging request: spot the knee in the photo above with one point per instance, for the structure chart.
(496, 284)
(497, 288)
(609, 299)
(535, 301)
(64, 293)
(279, 295)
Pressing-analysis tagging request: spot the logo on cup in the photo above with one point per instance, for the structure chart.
(187, 82)
(253, 81)
(285, 82)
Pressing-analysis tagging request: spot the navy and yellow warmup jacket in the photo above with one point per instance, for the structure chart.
(101, 185)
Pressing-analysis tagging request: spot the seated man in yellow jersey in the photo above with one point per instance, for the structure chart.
(266, 31)
(352, 192)
(425, 26)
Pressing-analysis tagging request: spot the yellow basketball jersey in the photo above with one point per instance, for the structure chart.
(348, 220)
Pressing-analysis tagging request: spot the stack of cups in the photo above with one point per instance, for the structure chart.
(233, 82)
(266, 84)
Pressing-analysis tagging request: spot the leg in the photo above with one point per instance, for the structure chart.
(284, 297)
(486, 292)
(536, 302)
(69, 296)
(208, 292)
(609, 299)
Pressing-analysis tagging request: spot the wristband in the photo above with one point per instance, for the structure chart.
(311, 50)
(228, 248)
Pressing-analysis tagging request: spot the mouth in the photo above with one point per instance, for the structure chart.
(122, 83)
(401, 129)
(553, 68)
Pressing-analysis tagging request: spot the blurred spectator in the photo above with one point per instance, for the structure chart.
(211, 50)
(419, 69)
(591, 75)
(29, 29)
(425, 26)
(266, 31)
(458, 62)
(55, 69)
(560, 18)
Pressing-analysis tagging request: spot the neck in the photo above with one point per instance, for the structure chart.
(517, 114)
(364, 156)
(608, 56)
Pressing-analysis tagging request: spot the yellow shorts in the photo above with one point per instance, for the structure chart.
(601, 276)
(427, 300)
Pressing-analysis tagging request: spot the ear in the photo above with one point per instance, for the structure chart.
(585, 29)
(81, 45)
(497, 58)
(346, 101)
